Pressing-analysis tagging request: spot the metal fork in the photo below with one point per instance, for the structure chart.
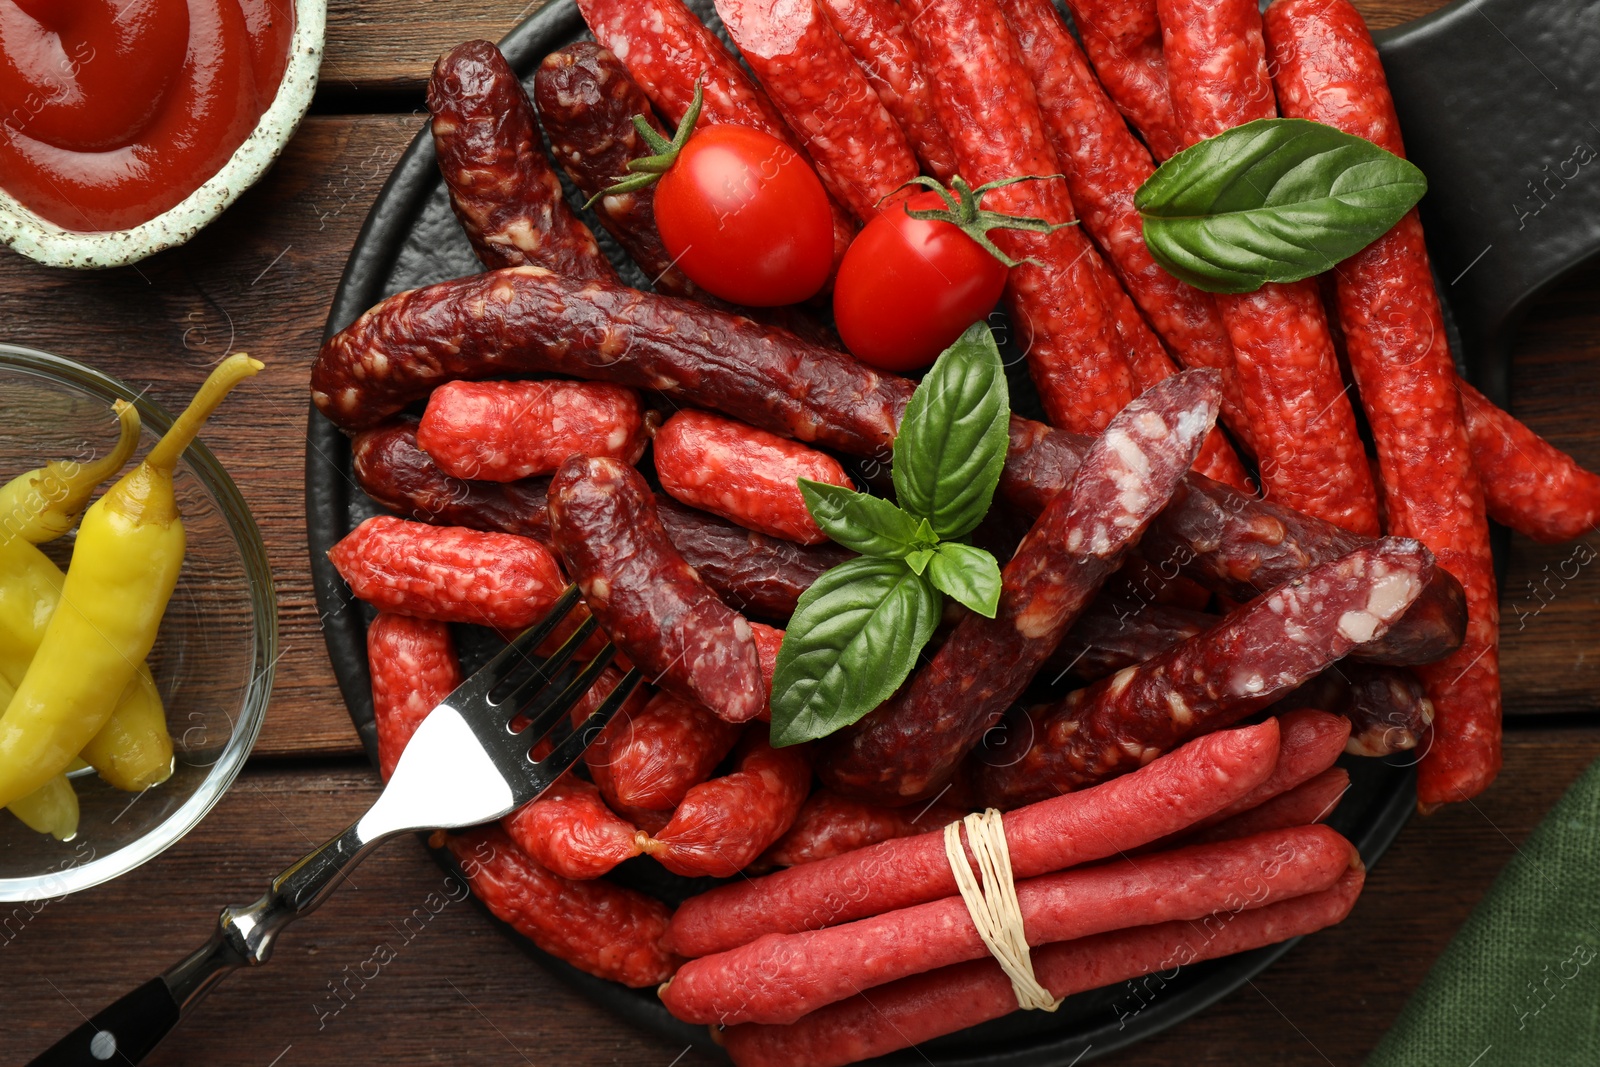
(470, 762)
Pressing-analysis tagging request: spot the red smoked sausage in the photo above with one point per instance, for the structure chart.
(1242, 664)
(1302, 424)
(830, 825)
(1530, 485)
(648, 600)
(449, 573)
(526, 320)
(501, 186)
(906, 1013)
(1165, 796)
(1123, 37)
(909, 745)
(1326, 69)
(743, 474)
(780, 977)
(569, 831)
(596, 926)
(652, 756)
(414, 667)
(810, 77)
(986, 102)
(506, 431)
(667, 49)
(876, 33)
(724, 824)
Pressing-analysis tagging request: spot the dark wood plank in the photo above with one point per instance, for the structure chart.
(457, 993)
(259, 280)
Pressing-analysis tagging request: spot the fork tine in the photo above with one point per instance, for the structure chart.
(515, 654)
(544, 671)
(565, 754)
(552, 709)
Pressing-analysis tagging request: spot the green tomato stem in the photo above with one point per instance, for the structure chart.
(647, 170)
(964, 211)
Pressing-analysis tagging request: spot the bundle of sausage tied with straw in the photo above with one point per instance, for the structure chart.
(1320, 615)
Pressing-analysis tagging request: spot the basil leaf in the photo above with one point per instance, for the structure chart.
(952, 441)
(968, 574)
(853, 639)
(1274, 200)
(918, 560)
(866, 524)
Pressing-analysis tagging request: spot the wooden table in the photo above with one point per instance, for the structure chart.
(260, 280)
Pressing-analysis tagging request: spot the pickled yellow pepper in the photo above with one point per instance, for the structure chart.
(125, 565)
(44, 504)
(133, 751)
(53, 807)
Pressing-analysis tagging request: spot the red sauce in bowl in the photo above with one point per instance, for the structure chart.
(113, 111)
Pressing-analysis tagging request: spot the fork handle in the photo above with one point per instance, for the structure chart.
(134, 1025)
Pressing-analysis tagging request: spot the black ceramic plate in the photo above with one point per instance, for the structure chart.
(410, 239)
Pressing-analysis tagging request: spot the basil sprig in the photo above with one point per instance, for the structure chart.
(856, 633)
(1275, 200)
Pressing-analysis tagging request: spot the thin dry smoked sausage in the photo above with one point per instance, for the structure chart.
(1326, 69)
(648, 600)
(876, 33)
(414, 667)
(987, 105)
(1254, 656)
(1302, 424)
(906, 1013)
(507, 431)
(1123, 37)
(909, 745)
(501, 186)
(859, 152)
(526, 320)
(1161, 798)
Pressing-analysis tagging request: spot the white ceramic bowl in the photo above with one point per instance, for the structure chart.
(44, 241)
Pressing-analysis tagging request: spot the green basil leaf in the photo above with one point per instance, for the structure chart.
(1274, 200)
(918, 560)
(968, 574)
(866, 524)
(952, 441)
(853, 639)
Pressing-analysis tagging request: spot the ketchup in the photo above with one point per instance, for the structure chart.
(113, 111)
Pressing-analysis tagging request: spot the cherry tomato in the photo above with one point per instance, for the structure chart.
(907, 287)
(746, 218)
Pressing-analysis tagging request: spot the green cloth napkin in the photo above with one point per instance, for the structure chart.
(1519, 986)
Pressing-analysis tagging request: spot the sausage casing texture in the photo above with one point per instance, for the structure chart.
(647, 599)
(1105, 166)
(780, 977)
(667, 50)
(1174, 792)
(912, 1010)
(1302, 423)
(986, 102)
(721, 826)
(507, 431)
(859, 152)
(527, 320)
(604, 929)
(1253, 657)
(830, 825)
(652, 756)
(569, 830)
(876, 33)
(393, 470)
(1326, 69)
(449, 573)
(751, 571)
(910, 744)
(1530, 485)
(1123, 38)
(743, 474)
(414, 667)
(501, 186)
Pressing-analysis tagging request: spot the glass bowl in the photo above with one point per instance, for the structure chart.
(212, 662)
